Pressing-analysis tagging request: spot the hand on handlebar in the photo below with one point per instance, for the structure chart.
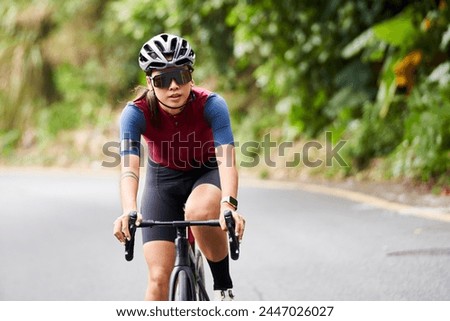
(233, 236)
(121, 230)
(125, 228)
(239, 222)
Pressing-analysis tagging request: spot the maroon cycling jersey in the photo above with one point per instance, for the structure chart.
(183, 141)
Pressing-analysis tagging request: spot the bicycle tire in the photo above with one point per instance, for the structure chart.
(182, 288)
(200, 288)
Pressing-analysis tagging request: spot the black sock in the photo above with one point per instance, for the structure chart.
(221, 274)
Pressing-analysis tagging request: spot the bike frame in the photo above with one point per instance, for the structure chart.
(185, 260)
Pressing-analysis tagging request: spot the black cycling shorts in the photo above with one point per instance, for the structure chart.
(165, 193)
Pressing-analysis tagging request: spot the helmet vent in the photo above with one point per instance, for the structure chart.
(160, 46)
(157, 65)
(164, 51)
(142, 58)
(173, 44)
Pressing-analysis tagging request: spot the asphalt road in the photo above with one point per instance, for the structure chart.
(56, 243)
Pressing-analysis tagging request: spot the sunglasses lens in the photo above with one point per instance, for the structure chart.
(157, 81)
(181, 76)
(185, 77)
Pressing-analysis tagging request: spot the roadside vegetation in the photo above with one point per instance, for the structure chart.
(372, 74)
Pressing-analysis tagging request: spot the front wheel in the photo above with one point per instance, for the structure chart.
(200, 275)
(182, 287)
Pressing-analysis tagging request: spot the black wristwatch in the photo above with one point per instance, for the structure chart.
(230, 200)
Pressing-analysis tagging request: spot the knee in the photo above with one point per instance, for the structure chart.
(159, 278)
(191, 213)
(201, 212)
(158, 287)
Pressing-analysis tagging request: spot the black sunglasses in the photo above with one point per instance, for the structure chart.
(181, 76)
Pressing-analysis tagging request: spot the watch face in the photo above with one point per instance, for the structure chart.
(231, 200)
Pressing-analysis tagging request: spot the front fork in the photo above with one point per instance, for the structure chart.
(182, 263)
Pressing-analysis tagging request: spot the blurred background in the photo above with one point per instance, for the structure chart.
(372, 74)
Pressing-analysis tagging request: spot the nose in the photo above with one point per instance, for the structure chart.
(173, 84)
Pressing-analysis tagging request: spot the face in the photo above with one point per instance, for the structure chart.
(172, 86)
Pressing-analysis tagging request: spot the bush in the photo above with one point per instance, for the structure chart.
(424, 152)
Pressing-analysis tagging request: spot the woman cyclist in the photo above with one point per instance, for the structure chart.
(191, 172)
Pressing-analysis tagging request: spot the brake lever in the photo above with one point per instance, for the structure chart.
(129, 245)
(232, 238)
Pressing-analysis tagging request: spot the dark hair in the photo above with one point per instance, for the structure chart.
(152, 103)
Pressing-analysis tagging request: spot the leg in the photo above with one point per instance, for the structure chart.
(161, 201)
(204, 204)
(160, 258)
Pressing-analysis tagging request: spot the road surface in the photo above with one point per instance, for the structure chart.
(56, 243)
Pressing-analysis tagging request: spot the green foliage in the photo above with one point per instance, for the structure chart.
(405, 31)
(81, 98)
(296, 67)
(295, 48)
(425, 149)
(410, 129)
(369, 138)
(26, 82)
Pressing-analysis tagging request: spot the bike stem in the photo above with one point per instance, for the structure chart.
(181, 248)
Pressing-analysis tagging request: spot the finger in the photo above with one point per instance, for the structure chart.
(239, 230)
(223, 225)
(117, 231)
(125, 230)
(240, 227)
(120, 237)
(139, 219)
(236, 223)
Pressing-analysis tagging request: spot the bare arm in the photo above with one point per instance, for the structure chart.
(226, 158)
(129, 184)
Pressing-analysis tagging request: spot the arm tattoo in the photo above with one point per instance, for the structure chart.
(130, 174)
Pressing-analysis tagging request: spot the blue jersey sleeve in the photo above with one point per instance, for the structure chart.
(132, 126)
(216, 113)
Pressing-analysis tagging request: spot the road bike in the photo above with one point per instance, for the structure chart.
(187, 280)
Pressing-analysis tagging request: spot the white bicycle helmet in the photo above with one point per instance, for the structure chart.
(165, 50)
